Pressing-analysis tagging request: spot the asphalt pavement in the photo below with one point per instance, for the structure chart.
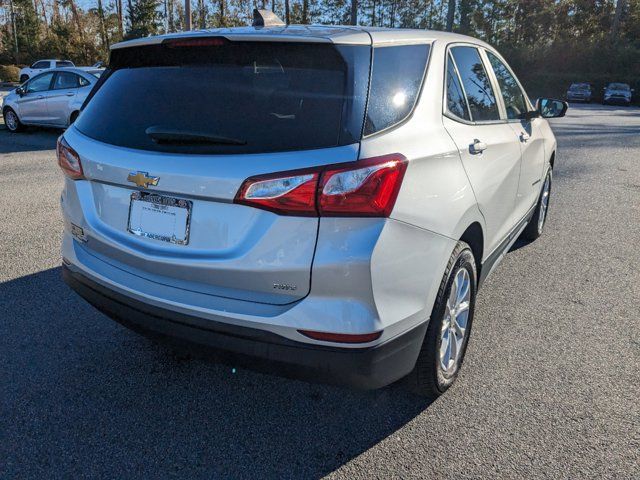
(550, 387)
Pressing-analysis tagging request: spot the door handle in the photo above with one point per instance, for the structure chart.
(70, 94)
(524, 136)
(477, 147)
(40, 97)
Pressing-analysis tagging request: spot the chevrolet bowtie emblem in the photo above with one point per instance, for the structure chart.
(142, 179)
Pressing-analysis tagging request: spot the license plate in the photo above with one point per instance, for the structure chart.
(159, 217)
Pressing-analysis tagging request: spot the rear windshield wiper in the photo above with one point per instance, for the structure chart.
(176, 137)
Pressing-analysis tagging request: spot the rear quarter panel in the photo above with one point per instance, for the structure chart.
(435, 206)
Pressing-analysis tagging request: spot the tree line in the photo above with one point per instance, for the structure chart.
(547, 41)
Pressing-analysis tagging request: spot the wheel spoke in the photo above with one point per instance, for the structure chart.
(463, 287)
(445, 350)
(462, 308)
(453, 349)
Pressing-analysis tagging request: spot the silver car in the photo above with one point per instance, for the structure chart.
(324, 200)
(50, 99)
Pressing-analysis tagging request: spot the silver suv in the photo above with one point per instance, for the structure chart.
(325, 198)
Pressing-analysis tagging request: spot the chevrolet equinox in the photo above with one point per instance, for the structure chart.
(324, 198)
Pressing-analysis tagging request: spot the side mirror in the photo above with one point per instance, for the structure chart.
(20, 91)
(551, 108)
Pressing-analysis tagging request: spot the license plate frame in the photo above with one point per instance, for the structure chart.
(161, 201)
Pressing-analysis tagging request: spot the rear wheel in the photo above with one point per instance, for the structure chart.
(12, 121)
(536, 224)
(445, 342)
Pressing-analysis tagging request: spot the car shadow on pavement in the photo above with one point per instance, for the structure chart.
(84, 396)
(30, 140)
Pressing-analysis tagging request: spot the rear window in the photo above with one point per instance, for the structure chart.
(231, 97)
(579, 86)
(619, 86)
(396, 78)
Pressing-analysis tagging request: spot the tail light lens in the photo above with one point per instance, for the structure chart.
(69, 160)
(292, 193)
(367, 188)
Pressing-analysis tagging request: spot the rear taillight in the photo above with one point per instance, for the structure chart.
(367, 188)
(287, 193)
(370, 189)
(69, 160)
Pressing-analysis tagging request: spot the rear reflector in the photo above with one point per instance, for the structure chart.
(341, 337)
(366, 188)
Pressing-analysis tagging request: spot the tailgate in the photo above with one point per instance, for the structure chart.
(232, 250)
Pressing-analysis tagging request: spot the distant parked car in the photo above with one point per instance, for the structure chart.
(580, 92)
(51, 99)
(617, 93)
(42, 65)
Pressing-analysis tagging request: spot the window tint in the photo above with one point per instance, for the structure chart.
(40, 65)
(476, 83)
(270, 97)
(456, 102)
(40, 83)
(66, 80)
(395, 84)
(619, 86)
(514, 99)
(580, 86)
(64, 63)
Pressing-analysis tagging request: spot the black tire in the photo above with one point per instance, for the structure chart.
(533, 229)
(19, 126)
(24, 78)
(428, 378)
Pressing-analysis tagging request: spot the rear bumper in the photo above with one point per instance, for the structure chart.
(368, 367)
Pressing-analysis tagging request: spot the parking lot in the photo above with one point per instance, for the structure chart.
(549, 388)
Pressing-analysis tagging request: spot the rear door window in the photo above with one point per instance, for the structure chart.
(476, 83)
(456, 100)
(63, 64)
(41, 64)
(396, 78)
(66, 80)
(514, 99)
(253, 97)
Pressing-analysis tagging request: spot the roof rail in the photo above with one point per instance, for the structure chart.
(266, 18)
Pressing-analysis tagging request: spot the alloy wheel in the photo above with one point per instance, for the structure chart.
(454, 323)
(12, 120)
(544, 203)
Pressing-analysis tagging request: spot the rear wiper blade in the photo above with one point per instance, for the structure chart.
(173, 136)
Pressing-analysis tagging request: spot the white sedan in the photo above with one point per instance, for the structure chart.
(50, 99)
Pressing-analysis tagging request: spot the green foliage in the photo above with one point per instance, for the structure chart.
(550, 43)
(144, 18)
(9, 73)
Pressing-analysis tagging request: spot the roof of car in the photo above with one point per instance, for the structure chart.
(338, 34)
(72, 69)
